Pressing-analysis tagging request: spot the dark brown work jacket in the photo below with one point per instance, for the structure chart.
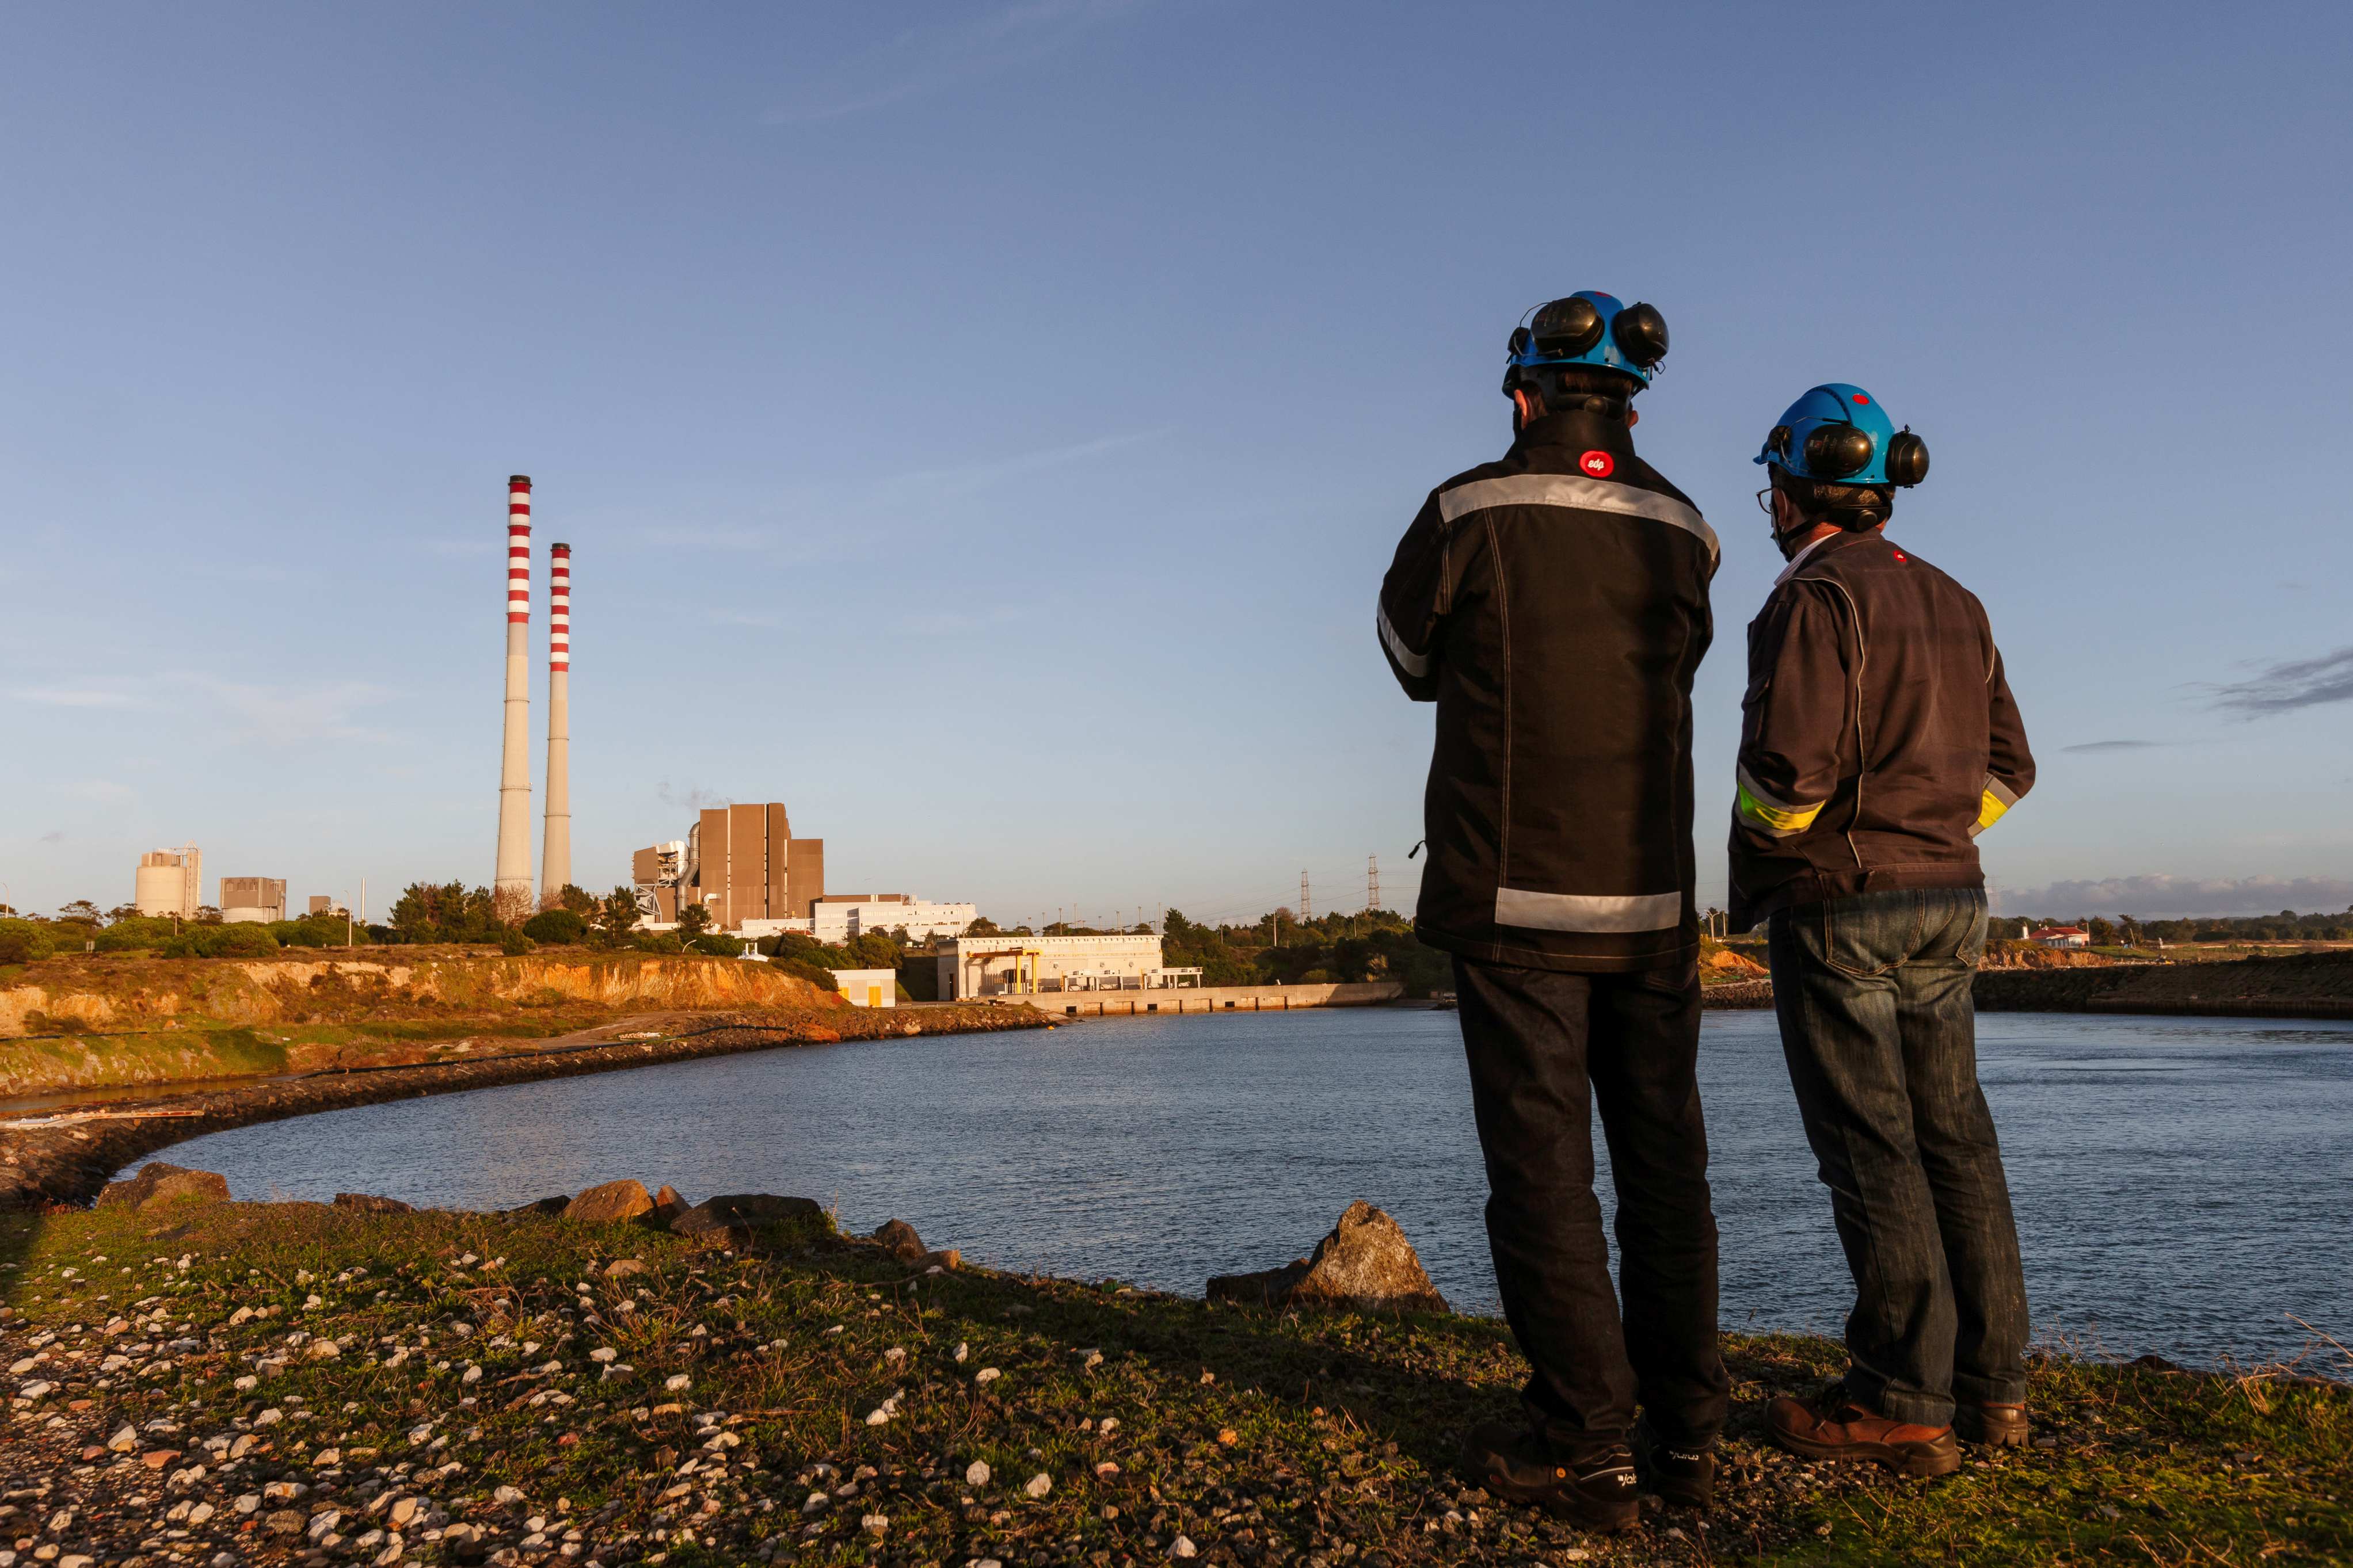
(1554, 605)
(1877, 737)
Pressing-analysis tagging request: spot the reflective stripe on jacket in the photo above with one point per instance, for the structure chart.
(1878, 736)
(1554, 605)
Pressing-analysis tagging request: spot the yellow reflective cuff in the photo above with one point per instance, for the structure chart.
(1991, 810)
(1779, 821)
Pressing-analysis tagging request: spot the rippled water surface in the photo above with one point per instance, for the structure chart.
(2182, 1186)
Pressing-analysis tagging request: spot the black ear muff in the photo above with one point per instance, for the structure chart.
(1519, 344)
(1568, 327)
(1907, 458)
(1834, 451)
(1641, 333)
(1778, 441)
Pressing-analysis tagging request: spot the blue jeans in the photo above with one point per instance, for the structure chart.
(1878, 1026)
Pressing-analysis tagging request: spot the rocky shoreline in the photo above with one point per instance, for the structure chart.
(65, 1158)
(2299, 986)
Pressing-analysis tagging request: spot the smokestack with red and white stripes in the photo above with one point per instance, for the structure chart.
(556, 858)
(512, 889)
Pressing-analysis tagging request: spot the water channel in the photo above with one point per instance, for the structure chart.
(2182, 1186)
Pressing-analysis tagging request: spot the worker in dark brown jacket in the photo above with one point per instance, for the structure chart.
(1878, 738)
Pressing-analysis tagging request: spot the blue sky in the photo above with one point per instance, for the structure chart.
(984, 428)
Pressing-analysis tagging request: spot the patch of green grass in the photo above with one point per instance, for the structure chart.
(1262, 1440)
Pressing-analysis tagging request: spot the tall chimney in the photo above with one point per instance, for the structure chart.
(512, 889)
(555, 858)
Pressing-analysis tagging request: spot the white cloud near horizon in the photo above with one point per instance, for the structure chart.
(2163, 897)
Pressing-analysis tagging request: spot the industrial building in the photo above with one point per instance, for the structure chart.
(839, 917)
(656, 872)
(169, 882)
(742, 864)
(252, 900)
(868, 988)
(1004, 965)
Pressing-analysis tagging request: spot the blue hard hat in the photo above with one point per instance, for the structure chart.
(1839, 433)
(1590, 328)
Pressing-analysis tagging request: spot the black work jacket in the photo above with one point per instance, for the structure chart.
(1878, 737)
(1554, 606)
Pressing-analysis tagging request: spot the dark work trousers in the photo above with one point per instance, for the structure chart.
(1879, 1030)
(1544, 1046)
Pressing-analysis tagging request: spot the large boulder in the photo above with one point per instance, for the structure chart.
(1365, 1263)
(742, 1211)
(898, 1238)
(158, 1184)
(369, 1203)
(625, 1199)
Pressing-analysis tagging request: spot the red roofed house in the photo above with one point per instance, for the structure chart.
(2061, 936)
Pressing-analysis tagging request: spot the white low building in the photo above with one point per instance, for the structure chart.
(837, 917)
(868, 988)
(1011, 965)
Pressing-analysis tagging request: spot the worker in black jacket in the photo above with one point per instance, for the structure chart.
(1878, 738)
(1555, 606)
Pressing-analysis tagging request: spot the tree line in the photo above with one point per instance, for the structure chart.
(2125, 931)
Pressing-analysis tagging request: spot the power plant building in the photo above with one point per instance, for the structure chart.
(1012, 965)
(839, 917)
(656, 872)
(742, 864)
(169, 882)
(252, 900)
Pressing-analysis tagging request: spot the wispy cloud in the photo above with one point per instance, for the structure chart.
(287, 714)
(76, 696)
(54, 836)
(923, 61)
(956, 622)
(2115, 746)
(2158, 896)
(971, 478)
(104, 789)
(677, 538)
(291, 715)
(2287, 685)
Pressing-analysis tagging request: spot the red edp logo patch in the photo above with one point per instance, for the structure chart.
(1600, 465)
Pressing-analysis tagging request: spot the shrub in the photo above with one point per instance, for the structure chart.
(239, 941)
(799, 969)
(717, 946)
(135, 931)
(21, 942)
(513, 943)
(555, 925)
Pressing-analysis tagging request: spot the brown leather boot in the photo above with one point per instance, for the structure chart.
(1990, 1426)
(1838, 1427)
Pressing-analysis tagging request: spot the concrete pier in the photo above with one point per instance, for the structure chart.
(1207, 999)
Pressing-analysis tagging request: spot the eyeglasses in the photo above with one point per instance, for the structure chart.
(1765, 501)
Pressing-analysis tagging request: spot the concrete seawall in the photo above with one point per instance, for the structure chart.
(1207, 999)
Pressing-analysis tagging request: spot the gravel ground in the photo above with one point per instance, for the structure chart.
(293, 1383)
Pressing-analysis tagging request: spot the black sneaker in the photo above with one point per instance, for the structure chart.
(1681, 1477)
(1595, 1494)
